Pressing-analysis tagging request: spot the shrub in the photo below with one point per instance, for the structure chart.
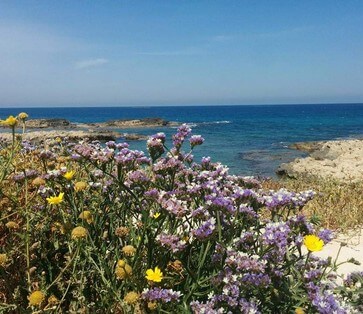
(130, 233)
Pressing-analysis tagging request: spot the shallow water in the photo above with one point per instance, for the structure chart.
(251, 140)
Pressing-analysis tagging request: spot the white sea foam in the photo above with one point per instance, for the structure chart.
(195, 124)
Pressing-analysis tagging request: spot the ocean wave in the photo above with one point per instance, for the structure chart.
(195, 124)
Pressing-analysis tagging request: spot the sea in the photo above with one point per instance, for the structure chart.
(249, 139)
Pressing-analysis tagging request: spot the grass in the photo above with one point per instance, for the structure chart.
(338, 205)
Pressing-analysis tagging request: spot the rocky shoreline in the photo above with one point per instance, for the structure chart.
(341, 160)
(40, 129)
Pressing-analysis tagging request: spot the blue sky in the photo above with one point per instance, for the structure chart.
(85, 53)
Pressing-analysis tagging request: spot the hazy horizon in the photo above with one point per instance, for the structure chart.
(181, 105)
(75, 54)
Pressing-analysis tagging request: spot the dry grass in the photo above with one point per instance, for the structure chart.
(338, 205)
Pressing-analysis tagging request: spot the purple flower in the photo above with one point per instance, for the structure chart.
(161, 295)
(205, 230)
(257, 280)
(326, 235)
(205, 308)
(172, 242)
(179, 137)
(111, 144)
(26, 174)
(174, 206)
(138, 176)
(155, 147)
(196, 140)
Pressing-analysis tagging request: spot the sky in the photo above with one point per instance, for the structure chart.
(111, 53)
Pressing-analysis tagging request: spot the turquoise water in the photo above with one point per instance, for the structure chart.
(250, 140)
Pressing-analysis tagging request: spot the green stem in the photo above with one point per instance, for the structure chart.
(27, 254)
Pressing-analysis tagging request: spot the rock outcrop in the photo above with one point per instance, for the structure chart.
(38, 136)
(47, 123)
(136, 123)
(341, 160)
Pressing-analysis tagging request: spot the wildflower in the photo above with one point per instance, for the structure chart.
(152, 305)
(156, 215)
(131, 297)
(3, 259)
(87, 216)
(205, 230)
(154, 275)
(12, 225)
(55, 200)
(79, 233)
(123, 270)
(80, 186)
(69, 175)
(299, 310)
(11, 121)
(23, 116)
(36, 298)
(160, 294)
(326, 235)
(121, 263)
(122, 232)
(172, 242)
(196, 140)
(128, 250)
(155, 146)
(53, 300)
(313, 243)
(38, 181)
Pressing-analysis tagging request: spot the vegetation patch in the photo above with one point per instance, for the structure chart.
(93, 228)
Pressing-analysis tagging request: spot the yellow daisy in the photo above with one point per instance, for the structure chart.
(55, 200)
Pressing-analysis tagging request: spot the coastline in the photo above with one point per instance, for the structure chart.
(40, 129)
(341, 160)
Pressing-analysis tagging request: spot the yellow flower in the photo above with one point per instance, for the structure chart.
(69, 175)
(154, 275)
(152, 305)
(123, 270)
(38, 181)
(53, 300)
(23, 116)
(3, 259)
(12, 225)
(10, 121)
(80, 186)
(313, 243)
(299, 310)
(79, 233)
(156, 215)
(121, 263)
(55, 200)
(131, 297)
(122, 232)
(36, 298)
(128, 250)
(87, 216)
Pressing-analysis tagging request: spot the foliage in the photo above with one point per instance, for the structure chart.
(92, 228)
(338, 205)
